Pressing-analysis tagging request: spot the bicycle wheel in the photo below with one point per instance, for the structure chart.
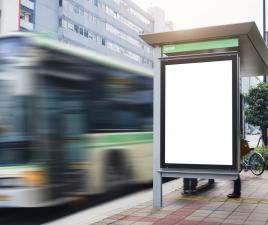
(257, 164)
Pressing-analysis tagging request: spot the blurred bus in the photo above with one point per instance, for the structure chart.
(72, 122)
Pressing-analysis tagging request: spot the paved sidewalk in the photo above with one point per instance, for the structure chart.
(208, 208)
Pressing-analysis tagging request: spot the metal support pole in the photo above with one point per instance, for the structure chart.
(264, 20)
(157, 190)
(157, 176)
(264, 31)
(264, 38)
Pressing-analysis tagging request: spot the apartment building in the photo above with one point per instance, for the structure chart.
(111, 27)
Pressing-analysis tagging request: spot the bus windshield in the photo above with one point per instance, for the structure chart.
(11, 49)
(13, 125)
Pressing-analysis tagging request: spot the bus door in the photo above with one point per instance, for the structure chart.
(49, 133)
(74, 124)
(63, 121)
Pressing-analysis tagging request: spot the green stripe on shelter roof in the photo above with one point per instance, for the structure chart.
(201, 45)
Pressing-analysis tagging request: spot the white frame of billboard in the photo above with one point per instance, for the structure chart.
(177, 171)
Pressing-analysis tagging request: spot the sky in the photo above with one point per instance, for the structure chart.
(187, 14)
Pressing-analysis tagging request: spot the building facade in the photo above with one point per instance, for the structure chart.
(111, 27)
(247, 82)
(9, 16)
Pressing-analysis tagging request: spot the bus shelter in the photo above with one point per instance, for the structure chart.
(197, 99)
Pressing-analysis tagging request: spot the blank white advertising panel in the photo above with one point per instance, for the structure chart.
(198, 113)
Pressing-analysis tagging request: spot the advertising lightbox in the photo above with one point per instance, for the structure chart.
(198, 113)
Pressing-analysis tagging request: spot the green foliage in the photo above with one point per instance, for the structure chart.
(257, 110)
(264, 153)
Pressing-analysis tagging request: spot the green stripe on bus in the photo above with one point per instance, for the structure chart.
(127, 137)
(21, 167)
(100, 145)
(120, 139)
(201, 45)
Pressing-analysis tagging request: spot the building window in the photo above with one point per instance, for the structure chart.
(86, 15)
(122, 19)
(123, 51)
(60, 22)
(111, 12)
(96, 3)
(81, 31)
(64, 23)
(122, 35)
(147, 61)
(98, 39)
(92, 36)
(139, 16)
(81, 11)
(75, 9)
(103, 41)
(147, 49)
(23, 15)
(86, 33)
(76, 28)
(31, 18)
(70, 26)
(27, 17)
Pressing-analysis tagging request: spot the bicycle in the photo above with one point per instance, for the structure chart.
(251, 160)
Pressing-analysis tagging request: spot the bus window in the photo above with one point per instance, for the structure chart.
(122, 103)
(73, 124)
(143, 96)
(14, 126)
(113, 107)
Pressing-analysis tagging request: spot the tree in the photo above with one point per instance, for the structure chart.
(257, 108)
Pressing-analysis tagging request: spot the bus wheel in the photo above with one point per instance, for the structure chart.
(117, 171)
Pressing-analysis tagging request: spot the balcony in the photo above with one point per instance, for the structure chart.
(26, 24)
(28, 4)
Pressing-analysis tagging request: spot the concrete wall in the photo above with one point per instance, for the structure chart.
(9, 20)
(46, 19)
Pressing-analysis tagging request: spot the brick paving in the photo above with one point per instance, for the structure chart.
(211, 207)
